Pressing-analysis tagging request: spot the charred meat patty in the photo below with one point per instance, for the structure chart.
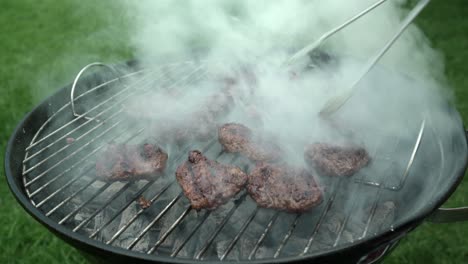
(282, 187)
(121, 162)
(333, 160)
(207, 183)
(237, 138)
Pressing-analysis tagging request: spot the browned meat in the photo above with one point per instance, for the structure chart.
(207, 183)
(120, 162)
(143, 202)
(284, 188)
(238, 138)
(332, 160)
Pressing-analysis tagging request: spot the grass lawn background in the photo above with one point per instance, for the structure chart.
(43, 44)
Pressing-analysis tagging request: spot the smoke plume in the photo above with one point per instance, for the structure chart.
(385, 113)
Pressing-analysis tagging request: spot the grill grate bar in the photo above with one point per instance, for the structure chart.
(74, 179)
(177, 250)
(372, 184)
(143, 189)
(194, 230)
(67, 134)
(414, 152)
(287, 236)
(122, 100)
(239, 234)
(69, 198)
(156, 219)
(413, 156)
(73, 166)
(208, 243)
(27, 184)
(50, 196)
(187, 77)
(66, 146)
(170, 75)
(322, 217)
(343, 226)
(138, 194)
(372, 213)
(84, 114)
(171, 228)
(264, 234)
(201, 253)
(99, 191)
(110, 200)
(123, 228)
(70, 155)
(60, 175)
(345, 222)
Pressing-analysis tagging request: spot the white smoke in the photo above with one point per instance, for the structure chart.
(264, 33)
(406, 87)
(175, 29)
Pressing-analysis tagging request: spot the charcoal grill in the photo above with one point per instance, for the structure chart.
(55, 182)
(50, 168)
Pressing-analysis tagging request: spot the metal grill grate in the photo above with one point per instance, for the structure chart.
(59, 179)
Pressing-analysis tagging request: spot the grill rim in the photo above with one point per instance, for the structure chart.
(91, 245)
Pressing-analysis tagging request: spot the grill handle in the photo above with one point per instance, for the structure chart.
(75, 82)
(450, 215)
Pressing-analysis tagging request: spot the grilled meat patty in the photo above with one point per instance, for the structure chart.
(283, 187)
(333, 160)
(121, 162)
(237, 138)
(207, 183)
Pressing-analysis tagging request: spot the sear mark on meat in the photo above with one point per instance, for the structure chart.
(207, 183)
(121, 162)
(237, 138)
(332, 160)
(284, 188)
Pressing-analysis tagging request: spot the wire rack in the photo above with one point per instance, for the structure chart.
(59, 179)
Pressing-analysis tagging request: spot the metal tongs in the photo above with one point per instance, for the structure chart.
(337, 101)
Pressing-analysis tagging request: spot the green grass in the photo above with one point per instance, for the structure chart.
(44, 43)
